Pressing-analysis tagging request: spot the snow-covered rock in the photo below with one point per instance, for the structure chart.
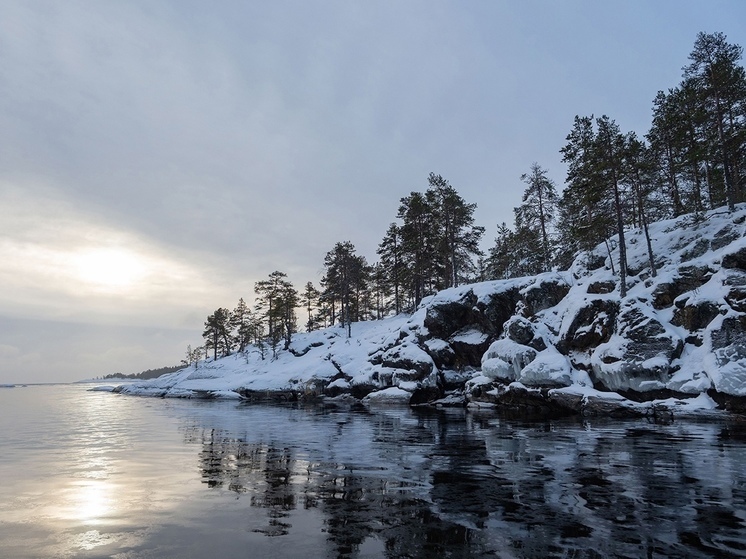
(542, 343)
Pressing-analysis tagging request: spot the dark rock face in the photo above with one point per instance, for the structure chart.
(499, 308)
(441, 353)
(424, 395)
(592, 325)
(724, 237)
(699, 248)
(523, 402)
(736, 296)
(543, 295)
(688, 278)
(361, 390)
(601, 287)
(594, 261)
(442, 320)
(469, 344)
(408, 357)
(735, 259)
(640, 359)
(729, 348)
(695, 316)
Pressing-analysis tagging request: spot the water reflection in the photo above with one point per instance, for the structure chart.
(438, 483)
(93, 475)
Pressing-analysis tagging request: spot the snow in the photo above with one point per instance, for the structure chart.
(102, 388)
(388, 396)
(393, 356)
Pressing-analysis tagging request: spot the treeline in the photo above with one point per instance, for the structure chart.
(692, 159)
(144, 375)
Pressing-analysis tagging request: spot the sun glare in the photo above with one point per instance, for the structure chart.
(109, 268)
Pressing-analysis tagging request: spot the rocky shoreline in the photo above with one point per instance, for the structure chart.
(560, 343)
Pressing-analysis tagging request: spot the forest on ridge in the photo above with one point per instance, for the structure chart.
(692, 159)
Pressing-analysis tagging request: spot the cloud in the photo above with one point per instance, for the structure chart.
(61, 263)
(8, 351)
(208, 144)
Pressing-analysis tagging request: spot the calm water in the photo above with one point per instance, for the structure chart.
(90, 474)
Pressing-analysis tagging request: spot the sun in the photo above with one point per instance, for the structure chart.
(109, 268)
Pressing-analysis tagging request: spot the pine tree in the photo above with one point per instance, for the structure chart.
(585, 210)
(393, 272)
(721, 84)
(217, 333)
(610, 149)
(639, 174)
(344, 282)
(457, 238)
(276, 302)
(310, 301)
(499, 260)
(418, 245)
(240, 324)
(538, 210)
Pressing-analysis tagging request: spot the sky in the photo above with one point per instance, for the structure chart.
(159, 158)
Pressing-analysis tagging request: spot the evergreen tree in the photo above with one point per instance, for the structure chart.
(288, 300)
(457, 236)
(537, 211)
(639, 174)
(610, 149)
(344, 282)
(418, 245)
(217, 333)
(393, 271)
(240, 324)
(276, 301)
(310, 301)
(721, 85)
(499, 260)
(585, 212)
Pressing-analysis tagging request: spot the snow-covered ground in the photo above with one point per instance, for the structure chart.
(681, 331)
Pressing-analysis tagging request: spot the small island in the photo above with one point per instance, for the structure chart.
(558, 343)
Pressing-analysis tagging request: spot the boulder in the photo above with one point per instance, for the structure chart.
(590, 325)
(468, 345)
(639, 355)
(548, 369)
(443, 319)
(735, 259)
(687, 279)
(521, 331)
(727, 337)
(543, 294)
(694, 316)
(409, 357)
(505, 359)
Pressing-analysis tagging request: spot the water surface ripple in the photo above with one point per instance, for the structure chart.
(90, 474)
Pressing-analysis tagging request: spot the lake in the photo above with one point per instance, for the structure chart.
(93, 474)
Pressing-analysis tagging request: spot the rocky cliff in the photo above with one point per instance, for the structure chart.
(557, 343)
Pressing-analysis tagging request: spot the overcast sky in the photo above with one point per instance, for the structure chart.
(159, 157)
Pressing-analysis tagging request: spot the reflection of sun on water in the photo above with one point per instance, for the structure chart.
(91, 501)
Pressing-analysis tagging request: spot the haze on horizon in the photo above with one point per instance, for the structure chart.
(156, 159)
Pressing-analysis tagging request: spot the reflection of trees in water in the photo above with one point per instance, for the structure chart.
(466, 485)
(273, 477)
